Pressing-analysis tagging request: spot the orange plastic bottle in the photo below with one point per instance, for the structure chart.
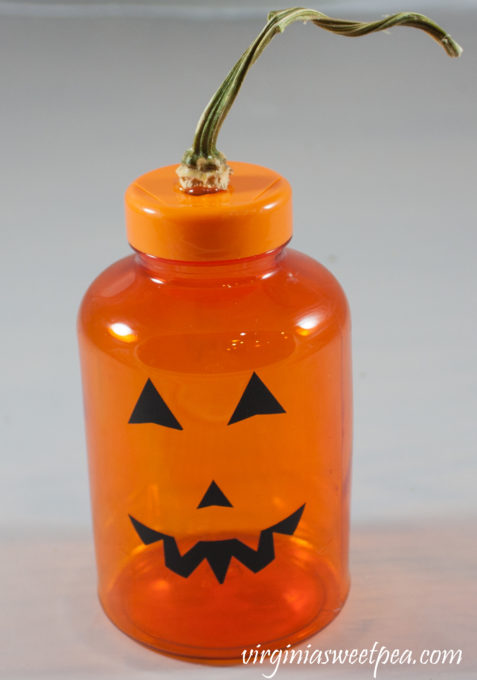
(217, 390)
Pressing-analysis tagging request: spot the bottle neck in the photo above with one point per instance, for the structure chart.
(257, 267)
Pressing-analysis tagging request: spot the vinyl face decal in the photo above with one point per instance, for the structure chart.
(214, 496)
(219, 553)
(256, 400)
(151, 408)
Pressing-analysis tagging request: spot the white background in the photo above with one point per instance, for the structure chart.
(377, 136)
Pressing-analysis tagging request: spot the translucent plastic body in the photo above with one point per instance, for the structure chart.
(218, 415)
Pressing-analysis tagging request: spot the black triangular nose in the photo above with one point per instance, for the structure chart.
(214, 496)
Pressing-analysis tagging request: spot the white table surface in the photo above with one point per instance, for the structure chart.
(377, 136)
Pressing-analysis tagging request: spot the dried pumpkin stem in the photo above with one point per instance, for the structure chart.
(204, 169)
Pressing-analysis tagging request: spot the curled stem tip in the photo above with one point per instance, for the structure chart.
(204, 169)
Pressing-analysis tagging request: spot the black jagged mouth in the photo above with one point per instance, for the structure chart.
(219, 553)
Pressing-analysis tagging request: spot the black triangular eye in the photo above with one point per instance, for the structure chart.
(151, 408)
(256, 400)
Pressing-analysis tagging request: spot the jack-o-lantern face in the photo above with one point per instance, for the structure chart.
(256, 400)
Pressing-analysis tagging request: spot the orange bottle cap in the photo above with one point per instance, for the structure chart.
(253, 216)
